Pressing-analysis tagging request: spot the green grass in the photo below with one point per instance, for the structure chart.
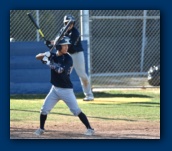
(112, 105)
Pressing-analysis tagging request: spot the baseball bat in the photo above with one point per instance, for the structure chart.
(61, 35)
(42, 35)
(36, 25)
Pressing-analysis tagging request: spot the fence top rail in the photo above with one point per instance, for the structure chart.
(124, 17)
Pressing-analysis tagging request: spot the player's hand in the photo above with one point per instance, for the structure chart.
(59, 69)
(48, 44)
(47, 54)
(45, 60)
(56, 69)
(52, 66)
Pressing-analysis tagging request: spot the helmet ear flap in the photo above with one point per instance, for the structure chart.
(58, 47)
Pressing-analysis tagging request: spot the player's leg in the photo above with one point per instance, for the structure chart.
(83, 118)
(67, 95)
(79, 65)
(49, 102)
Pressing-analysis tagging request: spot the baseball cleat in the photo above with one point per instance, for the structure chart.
(89, 132)
(39, 132)
(88, 99)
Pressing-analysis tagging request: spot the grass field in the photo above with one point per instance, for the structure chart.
(109, 110)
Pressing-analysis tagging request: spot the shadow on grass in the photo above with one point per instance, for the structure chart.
(104, 118)
(142, 103)
(27, 96)
(80, 95)
(145, 104)
(109, 95)
(115, 94)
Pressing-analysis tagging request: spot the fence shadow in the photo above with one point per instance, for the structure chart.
(70, 115)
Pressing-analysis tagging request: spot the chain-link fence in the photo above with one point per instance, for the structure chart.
(50, 22)
(124, 44)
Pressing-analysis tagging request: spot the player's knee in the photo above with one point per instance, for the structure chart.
(44, 112)
(76, 112)
(83, 76)
(84, 81)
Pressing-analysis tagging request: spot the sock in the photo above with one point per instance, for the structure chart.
(84, 120)
(42, 120)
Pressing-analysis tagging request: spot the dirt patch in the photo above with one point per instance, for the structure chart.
(75, 130)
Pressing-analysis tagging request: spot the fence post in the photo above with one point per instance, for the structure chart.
(84, 17)
(143, 40)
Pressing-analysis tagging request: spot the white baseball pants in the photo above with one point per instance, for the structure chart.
(55, 94)
(79, 66)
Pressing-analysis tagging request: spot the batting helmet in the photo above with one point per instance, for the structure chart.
(67, 18)
(64, 41)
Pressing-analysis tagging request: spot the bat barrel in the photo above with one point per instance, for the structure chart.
(33, 21)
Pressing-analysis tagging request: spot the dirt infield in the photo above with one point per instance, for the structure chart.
(103, 130)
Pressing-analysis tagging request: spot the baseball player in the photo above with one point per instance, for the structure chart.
(60, 64)
(76, 52)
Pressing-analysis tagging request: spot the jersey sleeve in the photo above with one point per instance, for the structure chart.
(75, 42)
(75, 37)
(67, 66)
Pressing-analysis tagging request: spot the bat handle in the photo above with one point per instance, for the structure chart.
(52, 48)
(44, 38)
(42, 35)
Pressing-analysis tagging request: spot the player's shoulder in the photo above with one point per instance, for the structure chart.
(75, 30)
(68, 56)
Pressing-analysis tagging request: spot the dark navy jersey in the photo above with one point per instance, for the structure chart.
(61, 80)
(75, 40)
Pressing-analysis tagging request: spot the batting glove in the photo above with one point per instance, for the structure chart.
(56, 69)
(45, 60)
(48, 44)
(59, 69)
(47, 54)
(52, 66)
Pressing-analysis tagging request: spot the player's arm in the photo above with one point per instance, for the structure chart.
(64, 68)
(44, 57)
(75, 38)
(40, 56)
(68, 65)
